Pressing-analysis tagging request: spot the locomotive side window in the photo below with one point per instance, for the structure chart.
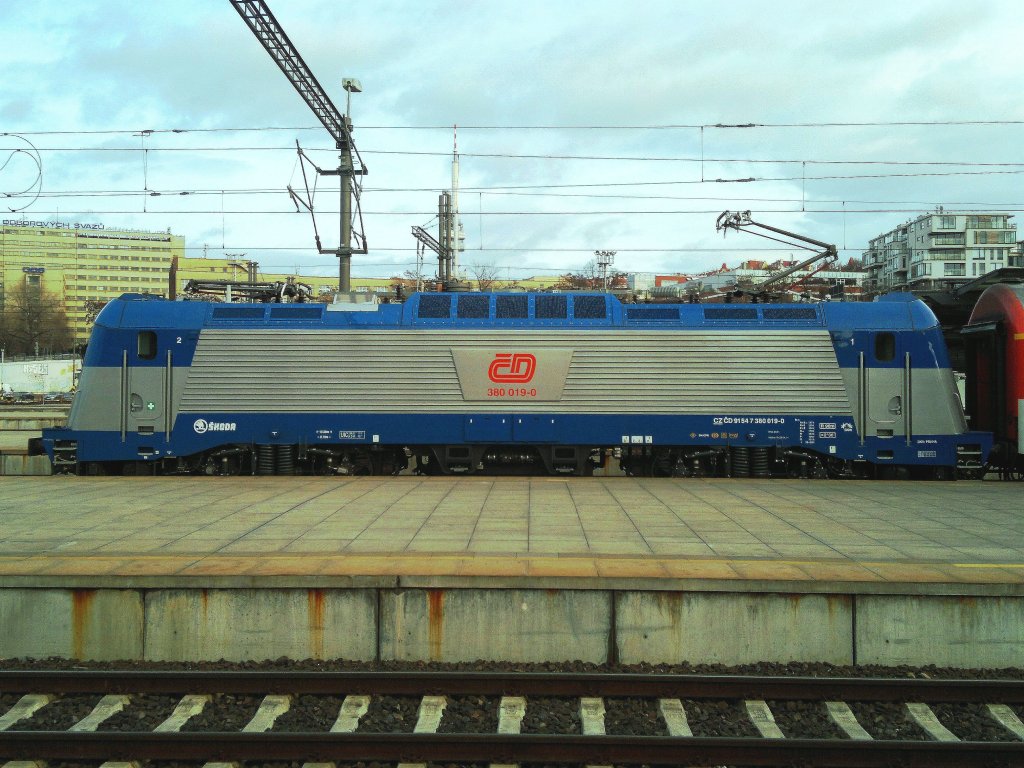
(147, 345)
(885, 347)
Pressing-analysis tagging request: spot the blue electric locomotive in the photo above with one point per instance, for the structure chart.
(517, 383)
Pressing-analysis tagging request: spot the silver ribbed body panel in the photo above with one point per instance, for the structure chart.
(409, 371)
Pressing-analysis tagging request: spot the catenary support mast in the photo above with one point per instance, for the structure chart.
(268, 31)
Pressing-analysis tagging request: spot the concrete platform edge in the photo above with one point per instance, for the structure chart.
(21, 464)
(936, 589)
(198, 582)
(517, 624)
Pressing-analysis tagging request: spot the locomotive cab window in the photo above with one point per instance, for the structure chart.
(147, 345)
(885, 347)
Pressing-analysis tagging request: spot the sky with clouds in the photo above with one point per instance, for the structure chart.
(582, 126)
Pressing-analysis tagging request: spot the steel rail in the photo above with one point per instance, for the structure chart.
(398, 682)
(500, 748)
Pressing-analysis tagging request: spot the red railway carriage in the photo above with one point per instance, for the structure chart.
(995, 377)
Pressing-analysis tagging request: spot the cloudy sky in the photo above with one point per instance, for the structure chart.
(582, 125)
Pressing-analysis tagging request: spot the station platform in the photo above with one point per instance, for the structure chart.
(18, 425)
(518, 569)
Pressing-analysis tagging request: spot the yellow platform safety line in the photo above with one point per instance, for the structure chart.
(491, 557)
(987, 565)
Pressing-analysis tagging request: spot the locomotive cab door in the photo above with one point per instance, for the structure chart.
(884, 390)
(145, 389)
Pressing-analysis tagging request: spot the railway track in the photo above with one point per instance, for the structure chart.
(507, 718)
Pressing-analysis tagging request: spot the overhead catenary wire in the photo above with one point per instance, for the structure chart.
(551, 127)
(778, 205)
(289, 268)
(550, 156)
(527, 190)
(616, 212)
(412, 249)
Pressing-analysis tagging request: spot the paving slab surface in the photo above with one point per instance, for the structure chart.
(16, 440)
(932, 537)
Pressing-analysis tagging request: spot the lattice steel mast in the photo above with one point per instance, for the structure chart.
(268, 31)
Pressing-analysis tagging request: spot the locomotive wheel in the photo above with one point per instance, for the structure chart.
(232, 466)
(426, 465)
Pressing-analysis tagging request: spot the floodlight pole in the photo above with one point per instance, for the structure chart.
(346, 172)
(258, 17)
(604, 260)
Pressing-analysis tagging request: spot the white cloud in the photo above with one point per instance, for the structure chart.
(127, 65)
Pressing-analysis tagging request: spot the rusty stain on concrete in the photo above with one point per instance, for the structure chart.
(435, 622)
(81, 603)
(839, 606)
(315, 600)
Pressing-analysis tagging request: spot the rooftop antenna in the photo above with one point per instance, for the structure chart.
(458, 239)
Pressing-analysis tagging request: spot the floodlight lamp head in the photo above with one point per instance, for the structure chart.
(351, 85)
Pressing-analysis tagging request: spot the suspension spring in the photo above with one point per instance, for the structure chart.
(264, 459)
(285, 459)
(740, 455)
(759, 464)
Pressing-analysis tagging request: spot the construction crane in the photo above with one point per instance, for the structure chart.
(742, 221)
(268, 31)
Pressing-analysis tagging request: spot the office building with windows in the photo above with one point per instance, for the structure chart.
(84, 265)
(941, 250)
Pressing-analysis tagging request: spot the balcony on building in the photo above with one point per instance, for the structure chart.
(946, 254)
(948, 239)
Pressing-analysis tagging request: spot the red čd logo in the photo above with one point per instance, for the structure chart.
(508, 368)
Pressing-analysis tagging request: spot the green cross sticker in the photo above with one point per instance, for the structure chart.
(150, 406)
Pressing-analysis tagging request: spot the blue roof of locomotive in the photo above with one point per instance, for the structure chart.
(486, 310)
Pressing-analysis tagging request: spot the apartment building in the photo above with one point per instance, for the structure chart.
(85, 265)
(941, 250)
